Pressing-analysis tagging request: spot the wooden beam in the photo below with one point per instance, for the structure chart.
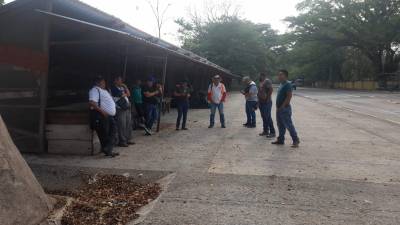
(84, 42)
(44, 80)
(164, 77)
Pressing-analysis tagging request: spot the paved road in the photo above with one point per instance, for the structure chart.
(346, 171)
(382, 105)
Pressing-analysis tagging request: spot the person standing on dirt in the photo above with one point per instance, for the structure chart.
(182, 96)
(121, 95)
(102, 112)
(151, 96)
(284, 110)
(250, 94)
(216, 97)
(265, 104)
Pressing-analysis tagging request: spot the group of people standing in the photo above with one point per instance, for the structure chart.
(260, 97)
(111, 110)
(112, 117)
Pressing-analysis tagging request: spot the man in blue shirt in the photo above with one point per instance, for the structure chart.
(284, 110)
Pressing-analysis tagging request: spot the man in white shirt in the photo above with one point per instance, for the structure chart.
(216, 97)
(250, 94)
(102, 114)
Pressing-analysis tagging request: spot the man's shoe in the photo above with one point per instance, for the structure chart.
(123, 145)
(177, 129)
(296, 144)
(271, 135)
(264, 134)
(211, 126)
(223, 126)
(184, 128)
(147, 130)
(277, 143)
(251, 126)
(112, 155)
(131, 143)
(246, 124)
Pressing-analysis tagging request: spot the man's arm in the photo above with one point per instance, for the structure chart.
(150, 94)
(127, 91)
(94, 105)
(223, 98)
(288, 98)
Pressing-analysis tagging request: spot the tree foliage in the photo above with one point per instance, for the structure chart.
(350, 34)
(243, 47)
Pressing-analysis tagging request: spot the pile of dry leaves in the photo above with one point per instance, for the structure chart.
(108, 200)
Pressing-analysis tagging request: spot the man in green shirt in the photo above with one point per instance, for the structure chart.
(284, 110)
(137, 98)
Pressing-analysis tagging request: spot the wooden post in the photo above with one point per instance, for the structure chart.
(43, 82)
(125, 63)
(164, 78)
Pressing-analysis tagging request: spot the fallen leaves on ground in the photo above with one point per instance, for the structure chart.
(108, 200)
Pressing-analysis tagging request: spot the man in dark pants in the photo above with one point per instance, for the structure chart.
(182, 95)
(265, 103)
(151, 100)
(284, 111)
(103, 110)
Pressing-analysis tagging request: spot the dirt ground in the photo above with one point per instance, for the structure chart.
(346, 171)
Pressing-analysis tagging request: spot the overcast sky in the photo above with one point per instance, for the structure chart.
(138, 13)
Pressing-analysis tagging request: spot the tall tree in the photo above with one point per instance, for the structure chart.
(234, 43)
(369, 26)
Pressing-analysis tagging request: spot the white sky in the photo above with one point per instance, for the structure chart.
(139, 14)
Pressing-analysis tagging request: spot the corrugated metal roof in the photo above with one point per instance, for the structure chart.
(95, 17)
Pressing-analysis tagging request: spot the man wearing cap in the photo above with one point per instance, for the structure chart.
(151, 100)
(102, 112)
(250, 94)
(265, 104)
(216, 97)
(182, 95)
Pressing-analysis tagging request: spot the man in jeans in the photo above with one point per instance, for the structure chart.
(151, 96)
(250, 93)
(121, 94)
(182, 95)
(265, 103)
(284, 110)
(216, 97)
(103, 109)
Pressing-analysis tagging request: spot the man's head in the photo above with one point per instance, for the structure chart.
(150, 81)
(118, 80)
(100, 82)
(216, 79)
(138, 82)
(246, 80)
(283, 75)
(263, 76)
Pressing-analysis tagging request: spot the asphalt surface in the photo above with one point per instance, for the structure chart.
(345, 172)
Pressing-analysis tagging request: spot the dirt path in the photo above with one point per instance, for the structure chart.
(346, 171)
